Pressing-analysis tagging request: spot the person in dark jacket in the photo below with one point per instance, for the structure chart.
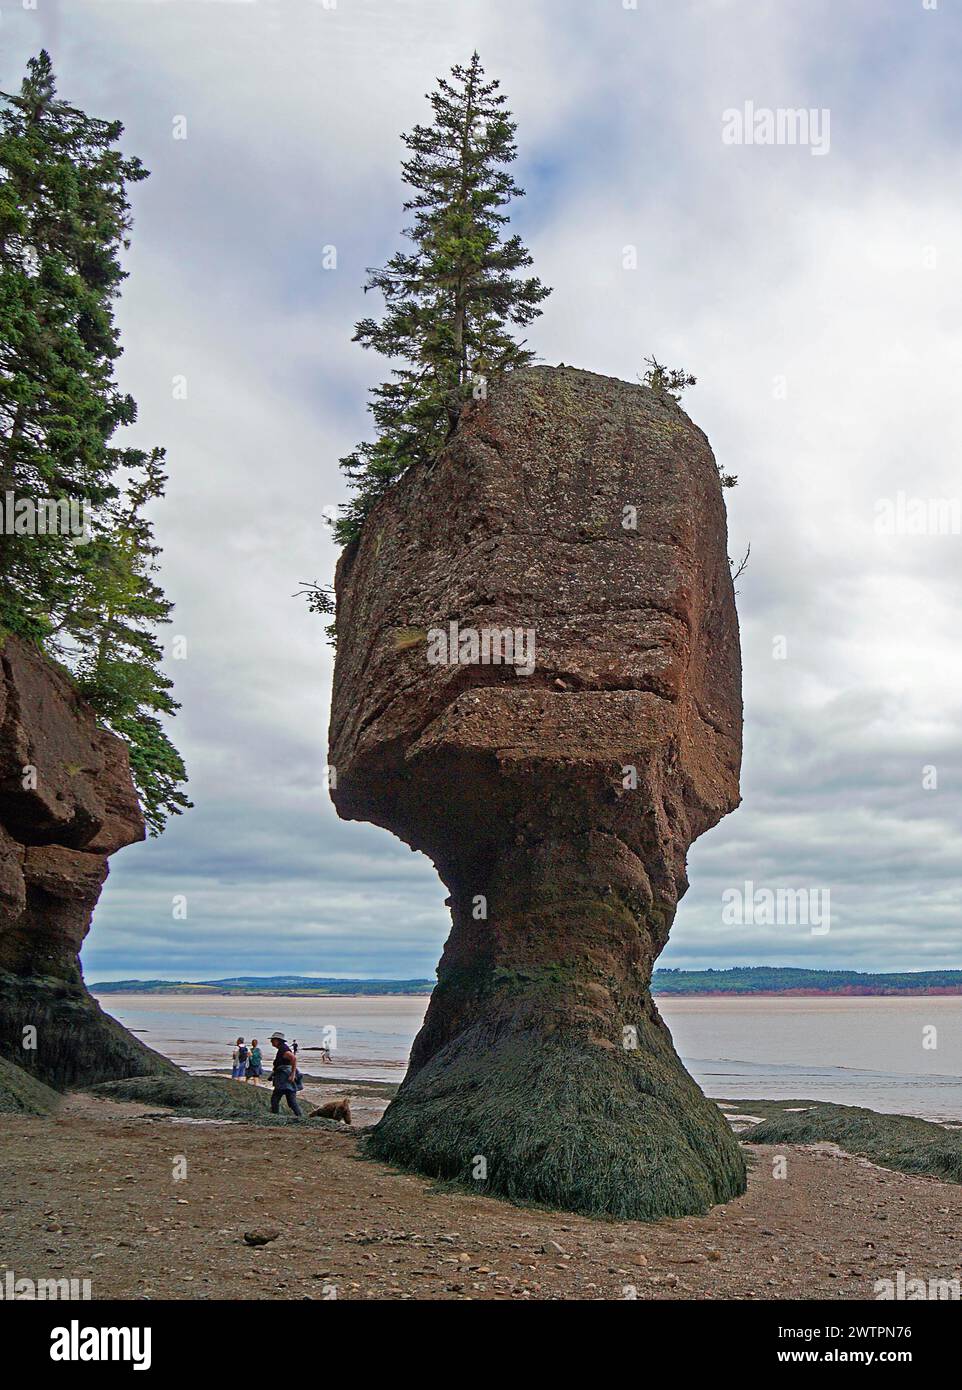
(284, 1076)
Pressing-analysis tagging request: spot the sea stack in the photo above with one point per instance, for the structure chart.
(538, 685)
(66, 802)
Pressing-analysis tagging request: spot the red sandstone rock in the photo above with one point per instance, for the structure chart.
(66, 803)
(556, 796)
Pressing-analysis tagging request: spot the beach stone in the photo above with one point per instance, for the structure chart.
(557, 794)
(263, 1236)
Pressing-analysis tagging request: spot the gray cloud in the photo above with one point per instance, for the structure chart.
(814, 298)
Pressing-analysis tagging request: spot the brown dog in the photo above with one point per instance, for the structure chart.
(333, 1110)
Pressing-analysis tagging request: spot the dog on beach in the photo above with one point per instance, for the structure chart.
(333, 1110)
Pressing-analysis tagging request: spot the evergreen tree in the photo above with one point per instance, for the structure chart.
(64, 221)
(117, 606)
(450, 301)
(669, 380)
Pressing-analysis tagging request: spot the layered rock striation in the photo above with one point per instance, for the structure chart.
(575, 525)
(66, 803)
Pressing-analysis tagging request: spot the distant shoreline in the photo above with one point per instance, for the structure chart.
(286, 986)
(844, 992)
(189, 993)
(847, 992)
(735, 982)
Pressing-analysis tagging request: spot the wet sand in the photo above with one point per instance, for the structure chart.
(91, 1194)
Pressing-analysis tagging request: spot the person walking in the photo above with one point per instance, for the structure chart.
(284, 1076)
(255, 1067)
(239, 1060)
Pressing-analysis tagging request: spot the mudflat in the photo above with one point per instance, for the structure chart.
(91, 1193)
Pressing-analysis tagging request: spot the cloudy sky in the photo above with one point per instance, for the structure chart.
(816, 296)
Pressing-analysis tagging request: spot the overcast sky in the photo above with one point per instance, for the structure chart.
(816, 296)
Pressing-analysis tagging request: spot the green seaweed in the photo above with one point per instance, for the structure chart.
(210, 1097)
(563, 1120)
(76, 1042)
(23, 1094)
(204, 1097)
(901, 1142)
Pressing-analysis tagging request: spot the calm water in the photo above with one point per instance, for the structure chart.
(853, 1051)
(860, 1051)
(371, 1035)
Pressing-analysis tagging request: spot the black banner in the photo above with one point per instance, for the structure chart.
(173, 1339)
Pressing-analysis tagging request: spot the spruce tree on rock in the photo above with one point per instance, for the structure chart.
(116, 610)
(64, 222)
(64, 217)
(452, 300)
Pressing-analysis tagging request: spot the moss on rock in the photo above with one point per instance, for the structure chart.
(565, 1122)
(23, 1094)
(901, 1142)
(77, 1044)
(209, 1097)
(204, 1097)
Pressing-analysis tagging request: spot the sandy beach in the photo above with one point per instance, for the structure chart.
(90, 1193)
(149, 1203)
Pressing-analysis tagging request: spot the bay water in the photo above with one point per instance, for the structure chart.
(898, 1055)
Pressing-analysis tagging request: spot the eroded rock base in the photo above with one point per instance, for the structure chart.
(70, 1040)
(563, 1121)
(543, 1071)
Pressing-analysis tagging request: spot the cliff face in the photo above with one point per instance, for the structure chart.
(66, 803)
(557, 793)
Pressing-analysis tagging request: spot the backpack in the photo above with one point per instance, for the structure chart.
(242, 1053)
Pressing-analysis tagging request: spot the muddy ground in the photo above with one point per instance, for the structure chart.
(158, 1207)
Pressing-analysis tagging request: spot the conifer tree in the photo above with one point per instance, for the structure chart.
(451, 301)
(117, 606)
(64, 222)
